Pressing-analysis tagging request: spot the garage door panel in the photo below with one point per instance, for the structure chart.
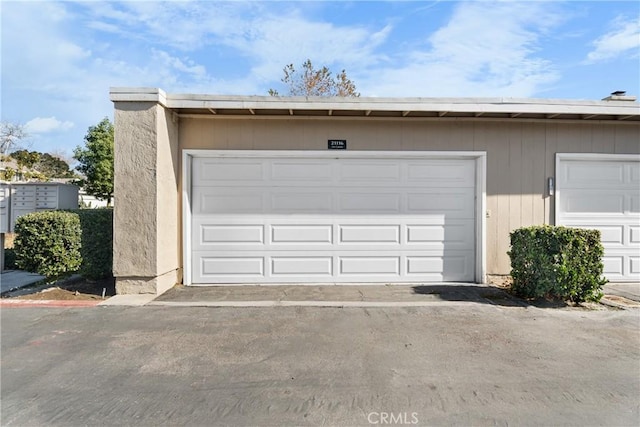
(225, 201)
(215, 171)
(452, 267)
(231, 234)
(634, 265)
(311, 201)
(435, 173)
(369, 234)
(634, 204)
(633, 174)
(366, 265)
(604, 195)
(212, 266)
(634, 235)
(308, 170)
(593, 202)
(613, 265)
(370, 202)
(580, 175)
(301, 233)
(301, 265)
(452, 204)
(619, 267)
(352, 172)
(456, 234)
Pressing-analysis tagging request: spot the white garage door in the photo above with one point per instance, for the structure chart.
(276, 219)
(603, 192)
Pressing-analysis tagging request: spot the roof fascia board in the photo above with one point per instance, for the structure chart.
(484, 119)
(138, 94)
(477, 106)
(396, 106)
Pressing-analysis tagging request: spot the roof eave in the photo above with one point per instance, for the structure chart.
(372, 107)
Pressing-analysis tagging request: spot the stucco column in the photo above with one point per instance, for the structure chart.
(146, 246)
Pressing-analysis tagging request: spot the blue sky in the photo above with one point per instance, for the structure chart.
(60, 58)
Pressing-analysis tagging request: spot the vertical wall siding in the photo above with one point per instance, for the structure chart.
(520, 154)
(627, 139)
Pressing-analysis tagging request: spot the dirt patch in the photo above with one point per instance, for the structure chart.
(502, 281)
(620, 301)
(505, 281)
(79, 289)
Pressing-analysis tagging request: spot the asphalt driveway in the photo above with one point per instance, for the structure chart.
(438, 365)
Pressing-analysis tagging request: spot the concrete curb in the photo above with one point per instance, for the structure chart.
(128, 300)
(341, 304)
(17, 303)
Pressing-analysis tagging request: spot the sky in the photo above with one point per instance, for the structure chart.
(59, 58)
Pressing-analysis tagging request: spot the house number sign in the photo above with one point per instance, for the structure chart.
(337, 144)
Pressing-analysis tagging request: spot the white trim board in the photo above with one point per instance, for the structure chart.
(480, 197)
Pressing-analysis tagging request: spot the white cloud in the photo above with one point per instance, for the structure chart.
(185, 26)
(184, 66)
(46, 125)
(278, 40)
(486, 49)
(623, 39)
(266, 37)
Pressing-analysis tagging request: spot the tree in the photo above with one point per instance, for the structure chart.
(25, 158)
(50, 166)
(10, 136)
(314, 82)
(53, 167)
(96, 161)
(61, 154)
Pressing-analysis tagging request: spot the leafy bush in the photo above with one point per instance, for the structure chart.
(9, 259)
(557, 262)
(97, 242)
(48, 243)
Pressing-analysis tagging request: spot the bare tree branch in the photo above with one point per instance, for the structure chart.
(314, 82)
(11, 134)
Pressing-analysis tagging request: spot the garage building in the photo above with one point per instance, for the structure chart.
(240, 190)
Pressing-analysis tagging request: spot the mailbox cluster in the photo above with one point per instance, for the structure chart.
(19, 199)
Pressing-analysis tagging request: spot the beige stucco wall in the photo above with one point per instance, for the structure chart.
(168, 159)
(520, 154)
(146, 209)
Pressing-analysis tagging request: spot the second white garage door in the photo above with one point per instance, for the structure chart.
(602, 191)
(283, 219)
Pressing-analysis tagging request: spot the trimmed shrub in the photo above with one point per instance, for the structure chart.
(557, 262)
(48, 243)
(97, 243)
(10, 259)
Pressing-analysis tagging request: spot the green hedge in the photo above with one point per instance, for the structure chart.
(58, 243)
(97, 242)
(557, 262)
(48, 243)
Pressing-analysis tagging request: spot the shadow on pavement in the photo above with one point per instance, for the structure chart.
(483, 295)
